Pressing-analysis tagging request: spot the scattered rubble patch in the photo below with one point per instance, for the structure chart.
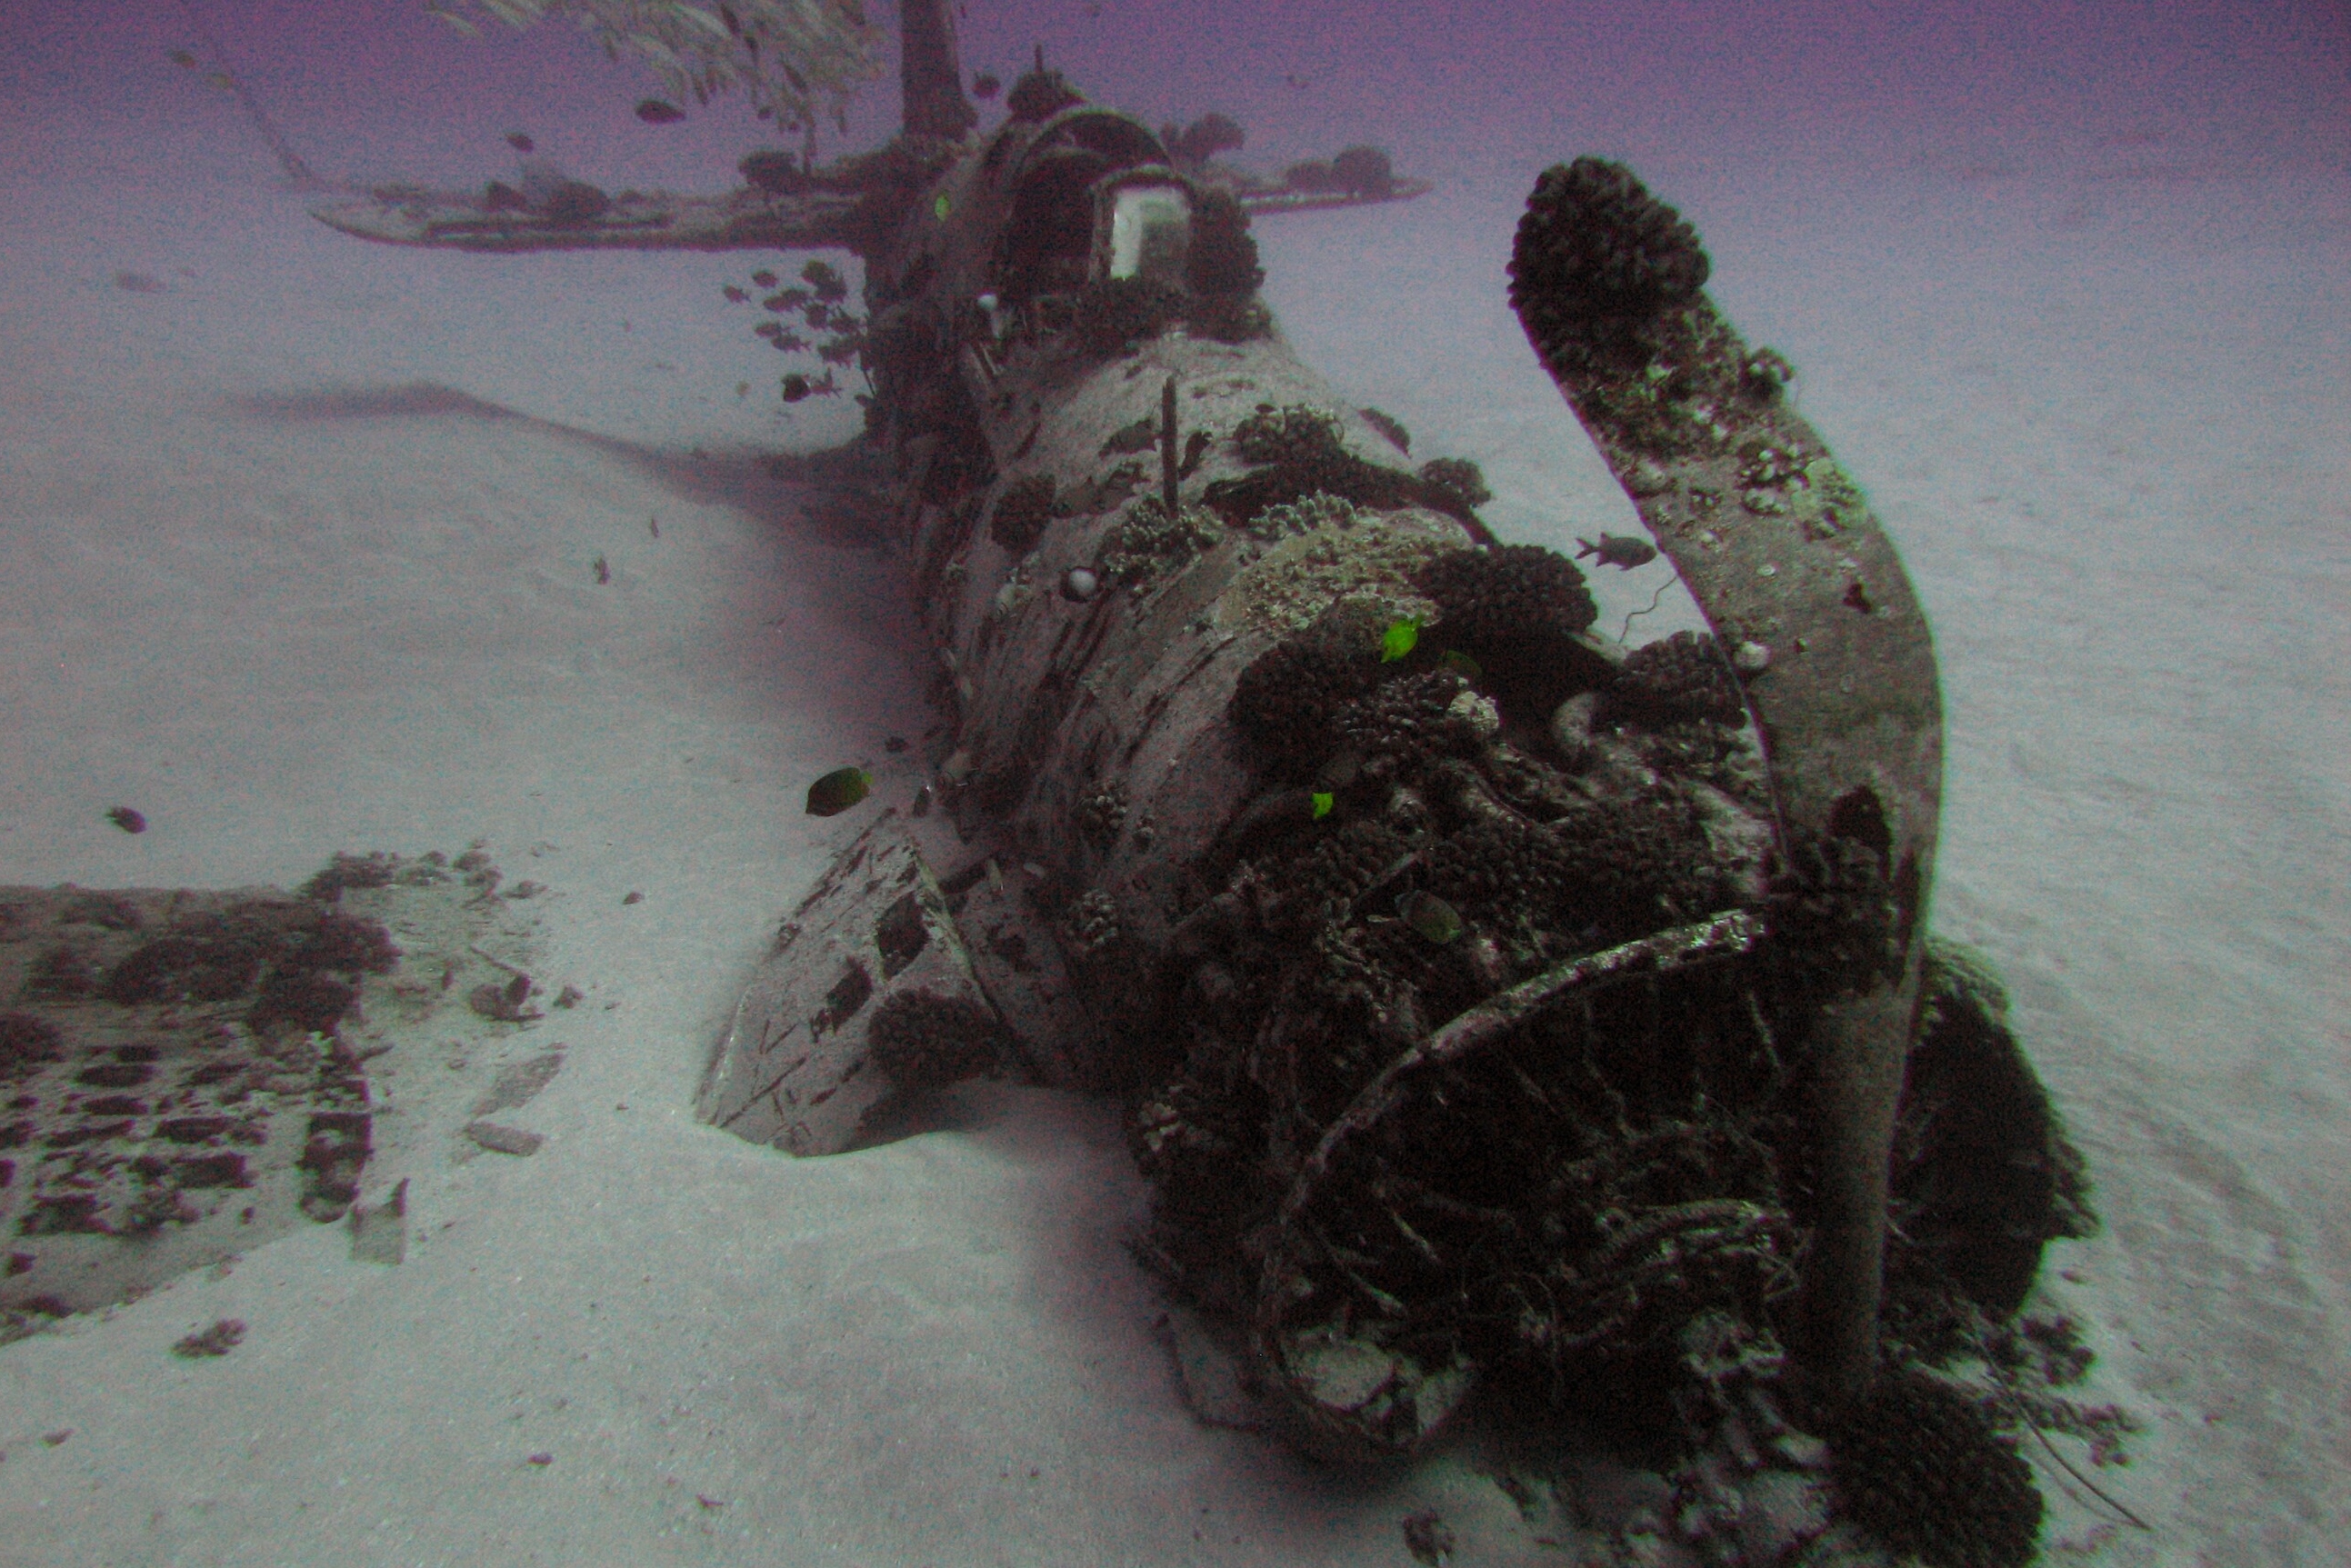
(185, 1075)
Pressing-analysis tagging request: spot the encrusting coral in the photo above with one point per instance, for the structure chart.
(1518, 610)
(1598, 255)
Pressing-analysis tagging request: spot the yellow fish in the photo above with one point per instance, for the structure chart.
(837, 791)
(1431, 917)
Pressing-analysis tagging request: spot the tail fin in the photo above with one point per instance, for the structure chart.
(930, 76)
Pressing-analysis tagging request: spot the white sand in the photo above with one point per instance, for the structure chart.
(296, 556)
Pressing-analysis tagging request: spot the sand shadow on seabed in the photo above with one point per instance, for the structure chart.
(823, 497)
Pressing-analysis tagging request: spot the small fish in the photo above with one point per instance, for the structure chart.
(1140, 436)
(1431, 917)
(522, 144)
(654, 111)
(763, 279)
(129, 821)
(1620, 550)
(1399, 639)
(826, 280)
(795, 387)
(734, 296)
(1454, 659)
(181, 57)
(1323, 799)
(985, 86)
(837, 791)
(790, 342)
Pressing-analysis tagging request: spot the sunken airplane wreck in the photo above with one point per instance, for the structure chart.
(1501, 1012)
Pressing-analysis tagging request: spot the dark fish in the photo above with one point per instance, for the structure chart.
(838, 350)
(837, 791)
(1620, 550)
(816, 313)
(763, 279)
(985, 86)
(826, 280)
(129, 821)
(795, 387)
(790, 342)
(138, 283)
(734, 295)
(522, 144)
(654, 111)
(182, 58)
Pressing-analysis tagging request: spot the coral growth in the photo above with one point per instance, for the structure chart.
(1363, 172)
(1147, 543)
(1607, 281)
(1355, 172)
(1285, 700)
(1983, 1173)
(1920, 1466)
(1296, 434)
(924, 1040)
(1424, 714)
(1496, 599)
(1298, 451)
(1681, 677)
(1302, 515)
(1455, 477)
(1517, 611)
(1191, 146)
(1222, 257)
(1115, 314)
(1597, 256)
(1022, 513)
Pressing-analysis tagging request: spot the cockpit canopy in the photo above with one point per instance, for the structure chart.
(1092, 198)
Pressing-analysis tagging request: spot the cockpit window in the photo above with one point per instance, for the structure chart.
(1049, 240)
